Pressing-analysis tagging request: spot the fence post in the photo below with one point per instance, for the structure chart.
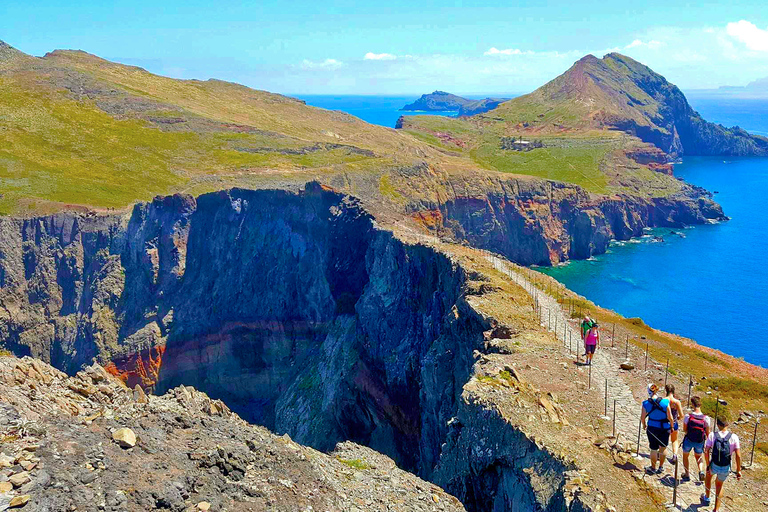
(646, 356)
(717, 408)
(606, 396)
(666, 373)
(626, 352)
(639, 429)
(754, 441)
(690, 385)
(674, 492)
(590, 377)
(614, 418)
(613, 336)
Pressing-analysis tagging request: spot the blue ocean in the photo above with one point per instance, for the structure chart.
(381, 110)
(711, 284)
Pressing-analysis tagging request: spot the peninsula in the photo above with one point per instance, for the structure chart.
(351, 289)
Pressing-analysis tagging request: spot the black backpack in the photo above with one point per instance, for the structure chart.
(721, 451)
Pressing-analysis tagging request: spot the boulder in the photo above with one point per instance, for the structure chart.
(6, 487)
(20, 479)
(19, 501)
(124, 437)
(626, 365)
(139, 395)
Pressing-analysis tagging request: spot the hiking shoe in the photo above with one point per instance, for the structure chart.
(660, 470)
(705, 500)
(650, 470)
(701, 476)
(686, 477)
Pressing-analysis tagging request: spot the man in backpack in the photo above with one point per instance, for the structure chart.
(696, 430)
(718, 450)
(586, 325)
(656, 418)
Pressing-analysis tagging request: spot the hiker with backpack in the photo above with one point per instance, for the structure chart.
(591, 340)
(719, 449)
(676, 406)
(657, 421)
(586, 324)
(696, 431)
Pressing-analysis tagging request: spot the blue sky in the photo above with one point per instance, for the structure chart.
(400, 47)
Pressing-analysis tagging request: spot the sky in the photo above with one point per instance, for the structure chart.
(400, 46)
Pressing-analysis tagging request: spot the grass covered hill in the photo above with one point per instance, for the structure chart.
(609, 125)
(76, 129)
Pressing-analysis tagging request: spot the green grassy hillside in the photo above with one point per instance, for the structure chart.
(78, 130)
(607, 124)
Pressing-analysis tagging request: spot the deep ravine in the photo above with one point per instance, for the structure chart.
(296, 310)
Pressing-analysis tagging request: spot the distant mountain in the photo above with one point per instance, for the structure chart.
(758, 85)
(441, 101)
(617, 92)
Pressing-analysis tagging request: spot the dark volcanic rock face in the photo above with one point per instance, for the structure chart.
(547, 222)
(295, 309)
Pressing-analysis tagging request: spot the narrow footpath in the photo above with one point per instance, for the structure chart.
(606, 365)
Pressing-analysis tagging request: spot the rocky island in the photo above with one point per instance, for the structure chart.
(218, 298)
(440, 101)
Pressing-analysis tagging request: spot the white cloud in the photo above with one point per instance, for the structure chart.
(754, 38)
(379, 56)
(652, 44)
(325, 64)
(508, 51)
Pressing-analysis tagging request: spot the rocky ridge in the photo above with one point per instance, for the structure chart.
(58, 451)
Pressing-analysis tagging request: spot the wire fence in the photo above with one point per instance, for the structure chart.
(635, 348)
(636, 352)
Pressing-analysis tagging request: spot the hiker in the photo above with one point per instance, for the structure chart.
(657, 421)
(585, 326)
(677, 412)
(696, 430)
(718, 450)
(591, 341)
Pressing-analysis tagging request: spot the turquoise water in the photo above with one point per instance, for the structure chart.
(710, 285)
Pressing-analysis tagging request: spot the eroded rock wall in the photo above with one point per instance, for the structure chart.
(545, 222)
(295, 309)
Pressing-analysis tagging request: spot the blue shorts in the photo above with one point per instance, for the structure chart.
(720, 471)
(689, 445)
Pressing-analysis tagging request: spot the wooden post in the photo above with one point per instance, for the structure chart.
(626, 352)
(690, 385)
(614, 418)
(666, 373)
(590, 377)
(674, 492)
(639, 429)
(646, 355)
(754, 441)
(606, 396)
(613, 336)
(717, 408)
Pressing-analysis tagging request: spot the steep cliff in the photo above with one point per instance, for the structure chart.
(295, 309)
(543, 222)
